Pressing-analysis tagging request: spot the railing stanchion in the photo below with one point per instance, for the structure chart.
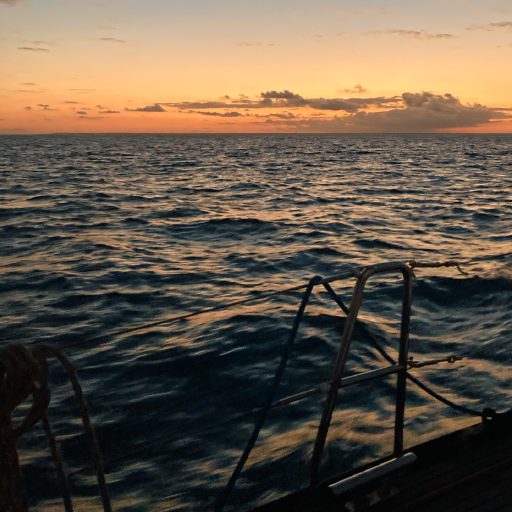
(402, 361)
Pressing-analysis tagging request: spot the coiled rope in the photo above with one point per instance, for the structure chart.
(24, 373)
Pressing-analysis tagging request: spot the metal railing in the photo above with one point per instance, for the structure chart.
(337, 380)
(400, 368)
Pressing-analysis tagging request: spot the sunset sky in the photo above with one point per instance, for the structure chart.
(255, 66)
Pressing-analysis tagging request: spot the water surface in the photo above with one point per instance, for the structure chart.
(106, 232)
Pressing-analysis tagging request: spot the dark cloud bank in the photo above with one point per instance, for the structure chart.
(410, 112)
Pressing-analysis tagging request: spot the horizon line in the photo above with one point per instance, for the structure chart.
(7, 134)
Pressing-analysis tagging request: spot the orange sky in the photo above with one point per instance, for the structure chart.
(226, 66)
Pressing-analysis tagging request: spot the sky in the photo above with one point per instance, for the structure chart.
(255, 66)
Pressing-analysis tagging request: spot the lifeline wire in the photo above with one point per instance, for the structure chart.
(247, 300)
(185, 316)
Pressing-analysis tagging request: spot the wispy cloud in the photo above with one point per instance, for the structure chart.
(108, 111)
(357, 89)
(45, 106)
(216, 114)
(413, 34)
(33, 49)
(240, 103)
(112, 40)
(36, 46)
(489, 27)
(283, 115)
(156, 107)
(29, 90)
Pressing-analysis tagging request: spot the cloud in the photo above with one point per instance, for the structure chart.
(286, 99)
(421, 112)
(33, 49)
(216, 114)
(112, 40)
(81, 112)
(9, 2)
(409, 112)
(284, 115)
(193, 105)
(502, 24)
(290, 99)
(29, 84)
(492, 26)
(156, 107)
(357, 89)
(108, 111)
(28, 107)
(70, 102)
(283, 95)
(414, 34)
(45, 106)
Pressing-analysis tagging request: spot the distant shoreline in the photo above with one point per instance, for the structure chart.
(257, 134)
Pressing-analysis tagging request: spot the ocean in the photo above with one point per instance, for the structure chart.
(102, 233)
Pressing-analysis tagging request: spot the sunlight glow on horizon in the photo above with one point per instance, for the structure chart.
(95, 67)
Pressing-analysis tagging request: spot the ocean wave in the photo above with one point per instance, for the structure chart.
(107, 233)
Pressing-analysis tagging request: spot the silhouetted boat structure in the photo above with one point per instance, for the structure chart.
(467, 470)
(470, 469)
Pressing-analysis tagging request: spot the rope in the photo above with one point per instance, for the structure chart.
(48, 351)
(440, 264)
(59, 465)
(24, 372)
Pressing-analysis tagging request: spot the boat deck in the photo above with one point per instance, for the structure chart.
(467, 470)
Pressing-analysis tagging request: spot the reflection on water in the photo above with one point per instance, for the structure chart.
(106, 232)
